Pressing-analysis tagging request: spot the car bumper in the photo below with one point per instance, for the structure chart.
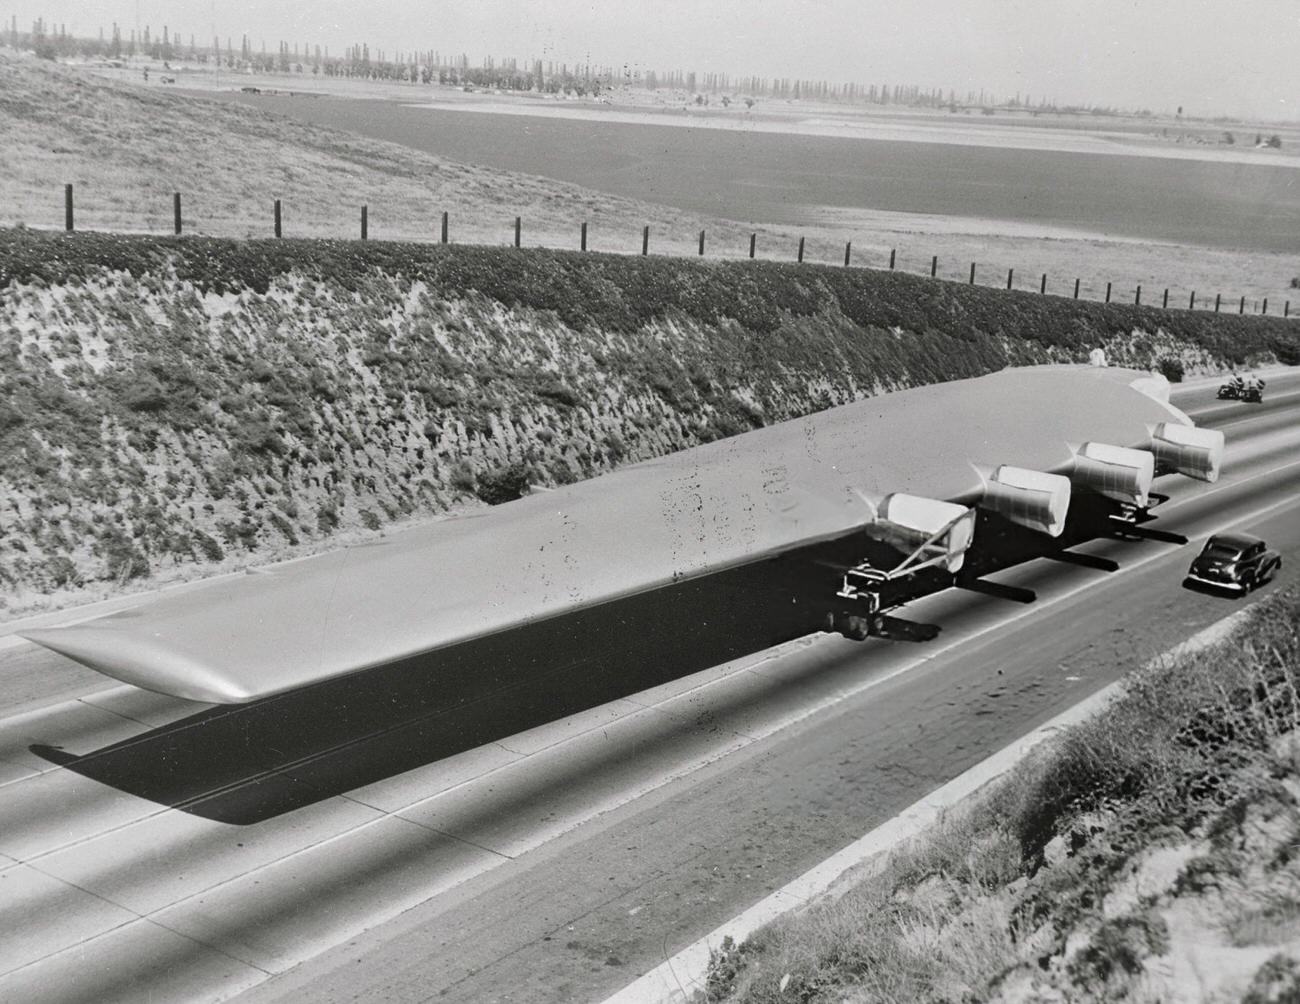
(1217, 583)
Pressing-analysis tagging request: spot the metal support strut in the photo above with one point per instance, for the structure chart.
(863, 581)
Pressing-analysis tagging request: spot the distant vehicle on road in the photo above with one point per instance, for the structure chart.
(1236, 388)
(1236, 562)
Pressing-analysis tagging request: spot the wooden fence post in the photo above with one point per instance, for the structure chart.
(584, 235)
(1216, 302)
(1165, 304)
(176, 211)
(892, 252)
(701, 242)
(800, 249)
(1010, 273)
(972, 273)
(753, 243)
(444, 228)
(365, 220)
(1137, 297)
(1286, 309)
(1076, 288)
(277, 217)
(1108, 292)
(1191, 304)
(848, 250)
(645, 241)
(1242, 308)
(1265, 309)
(1042, 286)
(934, 265)
(67, 208)
(519, 222)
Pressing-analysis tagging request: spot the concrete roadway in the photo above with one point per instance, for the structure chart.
(444, 829)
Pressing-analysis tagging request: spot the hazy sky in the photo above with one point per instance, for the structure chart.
(1211, 56)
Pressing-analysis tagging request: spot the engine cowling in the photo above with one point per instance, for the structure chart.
(908, 521)
(1198, 453)
(1116, 472)
(1032, 499)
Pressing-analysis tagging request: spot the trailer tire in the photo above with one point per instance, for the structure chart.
(856, 627)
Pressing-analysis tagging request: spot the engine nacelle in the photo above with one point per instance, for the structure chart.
(1116, 472)
(909, 521)
(1031, 499)
(1198, 453)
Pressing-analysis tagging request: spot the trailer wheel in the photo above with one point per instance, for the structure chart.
(856, 627)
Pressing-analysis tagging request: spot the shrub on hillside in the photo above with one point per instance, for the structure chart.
(144, 393)
(327, 517)
(1287, 350)
(1277, 981)
(208, 546)
(122, 560)
(555, 392)
(1119, 947)
(284, 526)
(60, 571)
(462, 478)
(259, 437)
(1171, 368)
(505, 484)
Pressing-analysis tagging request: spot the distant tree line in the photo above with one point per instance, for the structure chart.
(430, 67)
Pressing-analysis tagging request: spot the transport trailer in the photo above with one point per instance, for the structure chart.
(917, 546)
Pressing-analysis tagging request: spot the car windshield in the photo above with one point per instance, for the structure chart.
(1220, 550)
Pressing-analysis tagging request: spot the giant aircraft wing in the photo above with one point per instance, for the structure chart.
(645, 526)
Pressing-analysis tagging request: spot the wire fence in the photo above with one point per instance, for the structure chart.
(1072, 286)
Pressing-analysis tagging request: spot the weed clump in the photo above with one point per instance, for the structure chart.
(1119, 947)
(504, 484)
(123, 561)
(1171, 368)
(1276, 982)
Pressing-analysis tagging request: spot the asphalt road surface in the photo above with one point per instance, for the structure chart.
(544, 815)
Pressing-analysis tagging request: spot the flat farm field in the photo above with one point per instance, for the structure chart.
(1118, 206)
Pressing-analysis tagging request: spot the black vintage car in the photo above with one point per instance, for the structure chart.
(1236, 562)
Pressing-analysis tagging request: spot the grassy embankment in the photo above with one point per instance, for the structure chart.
(168, 403)
(1151, 854)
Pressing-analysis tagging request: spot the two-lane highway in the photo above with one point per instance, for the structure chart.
(547, 815)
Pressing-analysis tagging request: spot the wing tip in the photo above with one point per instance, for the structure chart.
(141, 662)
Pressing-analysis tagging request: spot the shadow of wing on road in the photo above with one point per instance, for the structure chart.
(243, 764)
(893, 628)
